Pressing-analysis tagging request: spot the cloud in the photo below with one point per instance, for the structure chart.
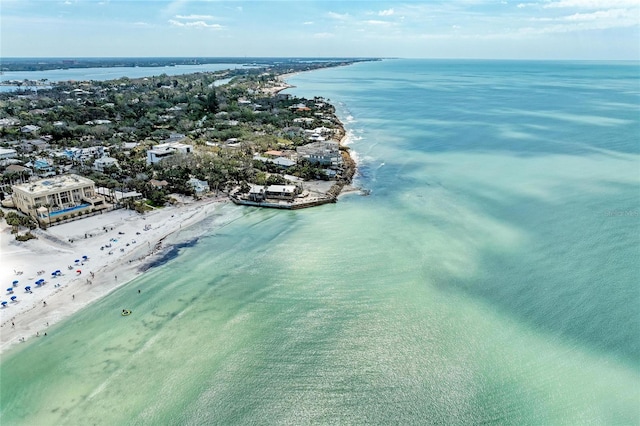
(194, 24)
(194, 17)
(307, 23)
(592, 4)
(323, 35)
(387, 12)
(141, 24)
(338, 16)
(599, 15)
(377, 22)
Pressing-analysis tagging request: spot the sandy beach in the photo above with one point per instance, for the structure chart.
(115, 244)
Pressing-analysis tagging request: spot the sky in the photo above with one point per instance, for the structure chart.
(482, 29)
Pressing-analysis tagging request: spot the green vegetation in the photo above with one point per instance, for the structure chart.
(16, 220)
(226, 125)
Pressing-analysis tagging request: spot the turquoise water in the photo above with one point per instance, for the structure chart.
(490, 277)
(67, 210)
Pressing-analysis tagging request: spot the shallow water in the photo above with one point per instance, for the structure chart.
(491, 276)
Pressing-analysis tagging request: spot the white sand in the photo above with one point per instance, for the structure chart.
(72, 291)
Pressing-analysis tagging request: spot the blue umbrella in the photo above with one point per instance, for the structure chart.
(14, 297)
(54, 274)
(77, 260)
(27, 288)
(10, 289)
(4, 304)
(41, 280)
(15, 282)
(85, 257)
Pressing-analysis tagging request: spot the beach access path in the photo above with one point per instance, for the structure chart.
(115, 244)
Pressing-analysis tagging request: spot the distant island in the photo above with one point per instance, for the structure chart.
(157, 138)
(43, 64)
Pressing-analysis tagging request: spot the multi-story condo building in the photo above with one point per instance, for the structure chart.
(57, 197)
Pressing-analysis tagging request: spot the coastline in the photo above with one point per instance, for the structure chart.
(60, 297)
(120, 246)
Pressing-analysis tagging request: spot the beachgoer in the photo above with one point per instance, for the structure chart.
(13, 324)
(138, 291)
(116, 278)
(37, 334)
(44, 303)
(45, 334)
(73, 297)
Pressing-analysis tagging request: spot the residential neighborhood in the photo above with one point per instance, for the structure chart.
(77, 148)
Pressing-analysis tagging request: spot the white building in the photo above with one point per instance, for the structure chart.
(103, 162)
(29, 128)
(164, 150)
(324, 153)
(282, 192)
(57, 197)
(199, 186)
(7, 153)
(115, 196)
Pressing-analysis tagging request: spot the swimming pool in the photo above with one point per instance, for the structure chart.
(68, 210)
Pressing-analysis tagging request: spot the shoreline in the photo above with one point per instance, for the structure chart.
(120, 246)
(154, 234)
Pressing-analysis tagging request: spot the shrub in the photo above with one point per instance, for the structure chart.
(26, 237)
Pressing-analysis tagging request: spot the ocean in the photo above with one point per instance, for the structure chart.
(490, 276)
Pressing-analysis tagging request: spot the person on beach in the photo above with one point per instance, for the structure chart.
(44, 303)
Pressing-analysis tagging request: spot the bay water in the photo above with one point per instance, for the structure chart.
(490, 276)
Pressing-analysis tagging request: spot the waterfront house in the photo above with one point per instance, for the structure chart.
(324, 153)
(114, 196)
(256, 193)
(165, 150)
(281, 192)
(199, 186)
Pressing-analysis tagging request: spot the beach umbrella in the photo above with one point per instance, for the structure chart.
(4, 303)
(15, 282)
(85, 257)
(13, 298)
(77, 260)
(79, 271)
(10, 289)
(54, 274)
(27, 288)
(41, 280)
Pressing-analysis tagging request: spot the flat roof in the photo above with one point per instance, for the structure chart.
(54, 184)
